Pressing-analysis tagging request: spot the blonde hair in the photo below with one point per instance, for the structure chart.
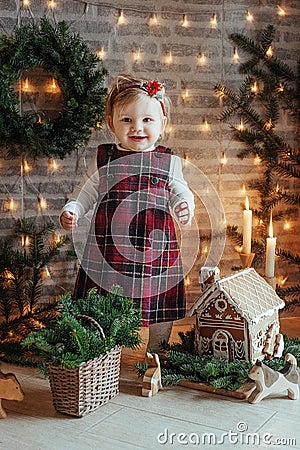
(124, 88)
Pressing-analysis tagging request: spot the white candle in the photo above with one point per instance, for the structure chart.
(247, 228)
(270, 252)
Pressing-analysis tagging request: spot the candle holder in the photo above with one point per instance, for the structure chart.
(272, 281)
(246, 259)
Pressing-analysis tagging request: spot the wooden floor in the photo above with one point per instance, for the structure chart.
(175, 418)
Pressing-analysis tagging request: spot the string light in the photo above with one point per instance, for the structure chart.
(282, 280)
(254, 88)
(51, 4)
(268, 125)
(185, 94)
(168, 58)
(101, 53)
(136, 55)
(25, 240)
(205, 125)
(153, 19)
(52, 165)
(53, 84)
(241, 125)
(235, 55)
(26, 167)
(121, 18)
(249, 17)
(280, 88)
(280, 11)
(11, 204)
(42, 203)
(257, 160)
(223, 159)
(26, 85)
(202, 59)
(187, 281)
(213, 21)
(269, 52)
(185, 22)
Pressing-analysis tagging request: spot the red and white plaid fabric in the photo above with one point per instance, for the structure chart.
(132, 240)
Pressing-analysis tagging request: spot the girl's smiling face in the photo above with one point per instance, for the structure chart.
(138, 124)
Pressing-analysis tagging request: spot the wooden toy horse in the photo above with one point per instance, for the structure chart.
(269, 381)
(152, 377)
(10, 389)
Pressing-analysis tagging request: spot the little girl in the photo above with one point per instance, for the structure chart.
(137, 187)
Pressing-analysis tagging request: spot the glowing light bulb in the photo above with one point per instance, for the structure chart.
(187, 281)
(25, 240)
(213, 21)
(42, 203)
(249, 17)
(257, 160)
(268, 125)
(53, 84)
(223, 159)
(12, 205)
(269, 52)
(202, 59)
(280, 88)
(26, 167)
(185, 22)
(26, 85)
(287, 225)
(235, 56)
(51, 4)
(168, 58)
(101, 53)
(153, 19)
(136, 55)
(241, 126)
(254, 88)
(25, 3)
(205, 125)
(280, 11)
(185, 94)
(121, 18)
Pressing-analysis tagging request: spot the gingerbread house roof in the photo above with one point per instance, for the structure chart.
(247, 291)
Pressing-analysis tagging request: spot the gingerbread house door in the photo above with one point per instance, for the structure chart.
(222, 345)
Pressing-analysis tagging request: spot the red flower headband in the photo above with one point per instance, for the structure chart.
(153, 88)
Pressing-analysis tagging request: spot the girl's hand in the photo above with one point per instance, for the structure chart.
(68, 220)
(182, 213)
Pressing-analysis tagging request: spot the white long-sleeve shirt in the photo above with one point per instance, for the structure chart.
(88, 190)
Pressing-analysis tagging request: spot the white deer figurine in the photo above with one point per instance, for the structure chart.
(152, 377)
(269, 381)
(10, 389)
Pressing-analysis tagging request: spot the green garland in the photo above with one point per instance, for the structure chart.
(73, 65)
(180, 362)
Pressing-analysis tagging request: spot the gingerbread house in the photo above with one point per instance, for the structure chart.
(237, 318)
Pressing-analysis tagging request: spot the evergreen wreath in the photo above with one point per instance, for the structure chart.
(74, 66)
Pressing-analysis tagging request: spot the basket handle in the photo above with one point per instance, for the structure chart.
(90, 319)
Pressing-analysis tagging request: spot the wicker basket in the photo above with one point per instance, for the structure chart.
(81, 390)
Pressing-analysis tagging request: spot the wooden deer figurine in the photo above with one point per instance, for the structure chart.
(152, 378)
(10, 389)
(269, 381)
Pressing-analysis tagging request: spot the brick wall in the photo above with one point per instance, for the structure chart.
(97, 25)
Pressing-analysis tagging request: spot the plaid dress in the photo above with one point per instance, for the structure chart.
(132, 240)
